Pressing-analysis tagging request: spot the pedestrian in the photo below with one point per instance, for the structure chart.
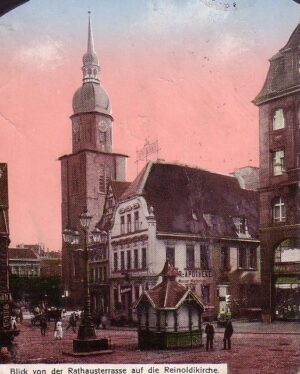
(13, 322)
(58, 332)
(43, 325)
(104, 321)
(210, 333)
(72, 322)
(228, 334)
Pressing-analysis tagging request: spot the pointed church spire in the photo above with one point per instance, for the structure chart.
(90, 46)
(91, 66)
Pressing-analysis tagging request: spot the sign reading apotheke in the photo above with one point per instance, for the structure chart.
(197, 273)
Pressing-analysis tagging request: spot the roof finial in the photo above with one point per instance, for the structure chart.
(90, 47)
(91, 66)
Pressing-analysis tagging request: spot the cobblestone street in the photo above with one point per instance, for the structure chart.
(253, 351)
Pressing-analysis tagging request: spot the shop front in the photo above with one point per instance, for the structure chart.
(286, 279)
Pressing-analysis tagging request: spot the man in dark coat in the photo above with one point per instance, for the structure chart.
(228, 334)
(43, 325)
(210, 333)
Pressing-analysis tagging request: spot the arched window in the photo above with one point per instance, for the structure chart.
(287, 251)
(279, 209)
(278, 119)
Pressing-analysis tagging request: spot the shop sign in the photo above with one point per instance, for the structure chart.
(4, 315)
(4, 296)
(287, 268)
(195, 273)
(125, 290)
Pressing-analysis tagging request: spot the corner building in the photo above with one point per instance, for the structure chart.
(279, 120)
(87, 171)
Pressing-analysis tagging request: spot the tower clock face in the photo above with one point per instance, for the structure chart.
(102, 125)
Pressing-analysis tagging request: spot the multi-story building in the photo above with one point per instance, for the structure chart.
(98, 254)
(24, 262)
(204, 223)
(279, 119)
(86, 172)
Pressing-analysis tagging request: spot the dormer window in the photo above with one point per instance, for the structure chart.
(240, 224)
(278, 119)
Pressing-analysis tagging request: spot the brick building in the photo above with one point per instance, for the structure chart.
(87, 171)
(279, 119)
(202, 222)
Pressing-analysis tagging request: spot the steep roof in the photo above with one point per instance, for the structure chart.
(283, 76)
(22, 254)
(169, 294)
(195, 201)
(118, 188)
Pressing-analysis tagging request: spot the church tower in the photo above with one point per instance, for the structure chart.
(279, 122)
(86, 172)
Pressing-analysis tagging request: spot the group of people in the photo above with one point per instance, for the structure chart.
(210, 334)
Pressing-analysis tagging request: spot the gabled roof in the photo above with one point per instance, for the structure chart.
(118, 188)
(283, 76)
(8, 5)
(136, 187)
(22, 254)
(169, 294)
(194, 201)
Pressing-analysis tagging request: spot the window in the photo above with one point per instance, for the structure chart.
(102, 137)
(242, 258)
(278, 162)
(204, 257)
(190, 257)
(128, 222)
(136, 258)
(137, 291)
(279, 210)
(240, 224)
(107, 177)
(104, 274)
(115, 261)
(122, 224)
(225, 258)
(170, 255)
(252, 258)
(122, 260)
(136, 221)
(75, 182)
(278, 119)
(206, 294)
(102, 179)
(129, 260)
(144, 258)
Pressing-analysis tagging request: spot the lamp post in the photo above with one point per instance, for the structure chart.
(86, 338)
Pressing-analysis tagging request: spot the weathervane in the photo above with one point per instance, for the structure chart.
(148, 149)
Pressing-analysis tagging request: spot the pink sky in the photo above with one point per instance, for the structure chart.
(187, 81)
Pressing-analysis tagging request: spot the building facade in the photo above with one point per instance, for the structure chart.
(86, 172)
(279, 120)
(204, 223)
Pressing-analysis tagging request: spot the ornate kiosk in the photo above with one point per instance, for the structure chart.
(169, 315)
(6, 333)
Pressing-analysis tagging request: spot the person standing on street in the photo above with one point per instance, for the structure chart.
(43, 325)
(72, 322)
(228, 334)
(58, 332)
(210, 333)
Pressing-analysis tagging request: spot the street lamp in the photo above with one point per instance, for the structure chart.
(86, 338)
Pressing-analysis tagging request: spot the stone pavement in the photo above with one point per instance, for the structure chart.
(251, 353)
